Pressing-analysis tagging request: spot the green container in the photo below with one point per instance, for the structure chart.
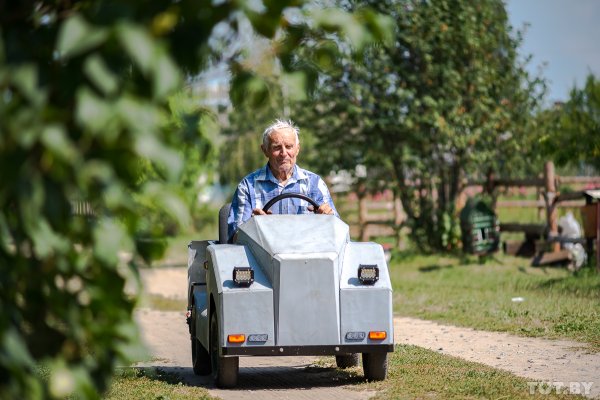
(479, 227)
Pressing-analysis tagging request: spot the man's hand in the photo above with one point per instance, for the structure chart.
(324, 208)
(259, 211)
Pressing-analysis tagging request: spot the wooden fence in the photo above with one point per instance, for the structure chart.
(382, 214)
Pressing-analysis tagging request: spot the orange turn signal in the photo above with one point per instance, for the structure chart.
(236, 338)
(377, 335)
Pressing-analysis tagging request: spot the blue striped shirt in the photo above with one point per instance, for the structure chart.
(256, 189)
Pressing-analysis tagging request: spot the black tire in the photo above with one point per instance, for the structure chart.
(375, 366)
(224, 369)
(347, 360)
(200, 358)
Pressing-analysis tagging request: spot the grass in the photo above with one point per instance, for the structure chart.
(151, 383)
(557, 304)
(162, 303)
(415, 372)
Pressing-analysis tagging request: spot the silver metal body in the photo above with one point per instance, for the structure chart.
(306, 295)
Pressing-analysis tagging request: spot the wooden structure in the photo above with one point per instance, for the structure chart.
(383, 215)
(591, 226)
(551, 199)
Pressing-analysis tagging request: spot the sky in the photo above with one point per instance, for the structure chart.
(564, 39)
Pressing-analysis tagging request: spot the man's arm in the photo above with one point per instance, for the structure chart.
(241, 208)
(323, 197)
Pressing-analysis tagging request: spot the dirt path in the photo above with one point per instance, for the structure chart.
(293, 378)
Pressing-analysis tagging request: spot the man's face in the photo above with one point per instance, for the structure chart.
(282, 151)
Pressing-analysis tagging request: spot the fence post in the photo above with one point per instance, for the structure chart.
(551, 212)
(362, 212)
(399, 217)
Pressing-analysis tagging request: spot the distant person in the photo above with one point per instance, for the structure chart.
(281, 145)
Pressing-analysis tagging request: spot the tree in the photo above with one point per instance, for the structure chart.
(446, 101)
(84, 108)
(573, 128)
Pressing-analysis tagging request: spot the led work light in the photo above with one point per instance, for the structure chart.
(368, 274)
(243, 276)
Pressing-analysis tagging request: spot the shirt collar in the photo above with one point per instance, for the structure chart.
(265, 174)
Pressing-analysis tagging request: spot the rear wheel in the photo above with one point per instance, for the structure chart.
(375, 366)
(224, 369)
(200, 356)
(347, 360)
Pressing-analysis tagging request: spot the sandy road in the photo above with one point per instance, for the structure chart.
(168, 340)
(293, 377)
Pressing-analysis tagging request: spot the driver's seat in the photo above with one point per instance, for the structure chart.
(223, 214)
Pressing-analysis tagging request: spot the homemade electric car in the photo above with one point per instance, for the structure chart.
(288, 285)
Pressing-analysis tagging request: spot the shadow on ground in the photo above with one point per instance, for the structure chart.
(264, 377)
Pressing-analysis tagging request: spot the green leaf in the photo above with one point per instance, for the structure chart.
(139, 45)
(295, 83)
(110, 238)
(55, 138)
(25, 78)
(95, 114)
(169, 202)
(337, 20)
(96, 70)
(77, 36)
(139, 116)
(6, 238)
(62, 382)
(167, 77)
(46, 242)
(150, 147)
(248, 89)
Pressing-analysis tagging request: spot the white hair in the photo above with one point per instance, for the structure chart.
(277, 125)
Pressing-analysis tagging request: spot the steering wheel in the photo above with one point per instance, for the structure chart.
(288, 195)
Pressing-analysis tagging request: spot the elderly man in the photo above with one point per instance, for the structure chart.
(281, 146)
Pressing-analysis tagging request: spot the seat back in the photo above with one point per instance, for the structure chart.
(223, 214)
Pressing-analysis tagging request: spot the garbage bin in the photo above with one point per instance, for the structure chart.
(479, 227)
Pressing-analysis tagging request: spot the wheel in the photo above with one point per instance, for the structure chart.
(224, 369)
(375, 366)
(347, 360)
(200, 357)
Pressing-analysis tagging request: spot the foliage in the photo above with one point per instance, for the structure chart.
(85, 117)
(197, 152)
(574, 127)
(240, 153)
(447, 100)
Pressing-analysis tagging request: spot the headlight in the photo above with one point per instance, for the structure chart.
(243, 276)
(368, 274)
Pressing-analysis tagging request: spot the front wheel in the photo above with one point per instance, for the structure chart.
(224, 369)
(375, 366)
(347, 360)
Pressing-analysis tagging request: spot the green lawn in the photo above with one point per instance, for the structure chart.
(416, 373)
(142, 384)
(556, 303)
